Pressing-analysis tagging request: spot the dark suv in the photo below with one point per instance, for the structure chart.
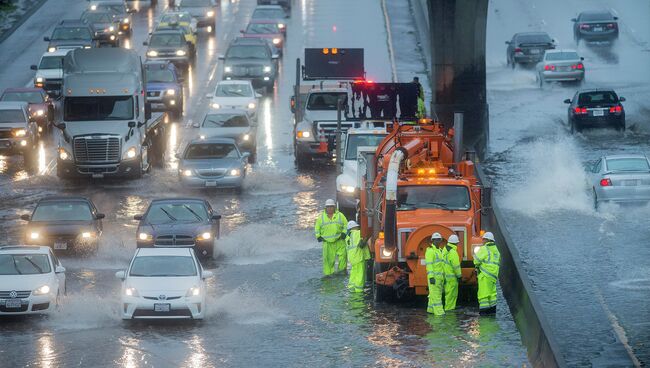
(164, 87)
(106, 26)
(72, 34)
(529, 47)
(169, 45)
(596, 107)
(250, 59)
(595, 26)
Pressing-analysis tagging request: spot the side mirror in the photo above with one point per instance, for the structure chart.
(258, 95)
(120, 275)
(567, 101)
(33, 67)
(145, 43)
(582, 58)
(46, 39)
(25, 217)
(216, 217)
(131, 124)
(100, 216)
(293, 104)
(275, 56)
(59, 269)
(137, 217)
(221, 57)
(180, 80)
(245, 156)
(147, 111)
(621, 99)
(507, 42)
(196, 124)
(242, 31)
(61, 126)
(207, 274)
(574, 19)
(615, 18)
(553, 40)
(177, 155)
(209, 95)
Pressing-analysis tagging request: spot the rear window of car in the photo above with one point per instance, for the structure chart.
(593, 17)
(559, 56)
(536, 38)
(628, 164)
(597, 97)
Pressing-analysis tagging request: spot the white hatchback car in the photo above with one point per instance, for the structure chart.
(31, 280)
(236, 94)
(163, 283)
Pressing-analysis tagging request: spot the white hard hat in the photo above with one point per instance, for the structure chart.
(352, 225)
(436, 236)
(330, 203)
(488, 236)
(453, 239)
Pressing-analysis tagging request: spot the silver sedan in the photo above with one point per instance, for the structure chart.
(621, 178)
(560, 66)
(212, 163)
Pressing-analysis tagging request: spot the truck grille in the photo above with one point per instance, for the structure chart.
(249, 71)
(99, 150)
(174, 240)
(153, 93)
(6, 134)
(329, 128)
(211, 173)
(19, 294)
(52, 84)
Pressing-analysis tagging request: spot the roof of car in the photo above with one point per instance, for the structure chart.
(596, 90)
(235, 81)
(24, 249)
(169, 30)
(160, 64)
(625, 155)
(214, 111)
(248, 41)
(58, 52)
(269, 7)
(64, 199)
(12, 105)
(215, 140)
(160, 251)
(557, 51)
(23, 89)
(262, 21)
(596, 12)
(177, 199)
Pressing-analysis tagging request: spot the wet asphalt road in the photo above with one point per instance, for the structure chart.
(588, 268)
(268, 304)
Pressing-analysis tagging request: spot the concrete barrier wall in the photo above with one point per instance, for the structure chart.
(535, 332)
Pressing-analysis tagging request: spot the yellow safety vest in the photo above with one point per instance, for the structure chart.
(330, 229)
(488, 260)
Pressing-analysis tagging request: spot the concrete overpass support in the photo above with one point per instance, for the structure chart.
(457, 35)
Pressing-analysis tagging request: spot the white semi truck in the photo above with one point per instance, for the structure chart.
(107, 128)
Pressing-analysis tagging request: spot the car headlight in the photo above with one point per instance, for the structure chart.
(202, 136)
(20, 132)
(234, 172)
(111, 29)
(63, 154)
(34, 235)
(276, 41)
(152, 53)
(227, 69)
(210, 13)
(51, 49)
(180, 53)
(205, 236)
(86, 47)
(87, 235)
(216, 106)
(43, 290)
(171, 92)
(251, 105)
(386, 253)
(131, 292)
(246, 137)
(130, 153)
(194, 291)
(40, 112)
(187, 172)
(267, 69)
(303, 134)
(281, 25)
(125, 20)
(145, 236)
(40, 80)
(348, 189)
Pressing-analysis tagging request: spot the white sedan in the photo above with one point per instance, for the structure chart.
(31, 280)
(236, 94)
(163, 283)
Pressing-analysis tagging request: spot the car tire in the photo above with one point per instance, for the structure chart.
(595, 200)
(541, 81)
(302, 161)
(572, 126)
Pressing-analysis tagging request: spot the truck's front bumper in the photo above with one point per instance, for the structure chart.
(164, 102)
(223, 182)
(121, 169)
(14, 145)
(311, 149)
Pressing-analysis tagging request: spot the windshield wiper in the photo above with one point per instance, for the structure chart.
(34, 264)
(16, 266)
(168, 215)
(193, 213)
(441, 205)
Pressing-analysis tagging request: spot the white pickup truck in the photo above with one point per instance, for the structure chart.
(364, 136)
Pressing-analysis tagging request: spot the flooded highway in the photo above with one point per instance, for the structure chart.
(268, 304)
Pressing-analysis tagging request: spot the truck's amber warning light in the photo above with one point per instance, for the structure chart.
(335, 51)
(326, 51)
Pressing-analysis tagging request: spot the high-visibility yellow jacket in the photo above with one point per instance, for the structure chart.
(452, 266)
(330, 229)
(357, 251)
(435, 259)
(488, 260)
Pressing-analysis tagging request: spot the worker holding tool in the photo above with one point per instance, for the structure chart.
(452, 273)
(358, 254)
(422, 111)
(435, 258)
(330, 230)
(486, 263)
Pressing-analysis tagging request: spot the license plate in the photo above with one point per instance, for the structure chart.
(157, 307)
(597, 29)
(599, 112)
(534, 51)
(630, 183)
(60, 245)
(274, 2)
(13, 303)
(563, 69)
(98, 176)
(211, 183)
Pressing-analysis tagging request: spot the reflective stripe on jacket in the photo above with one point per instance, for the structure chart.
(452, 267)
(435, 260)
(488, 260)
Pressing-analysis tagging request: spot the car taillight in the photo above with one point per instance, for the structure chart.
(549, 67)
(518, 49)
(611, 25)
(584, 26)
(615, 110)
(577, 66)
(580, 110)
(605, 182)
